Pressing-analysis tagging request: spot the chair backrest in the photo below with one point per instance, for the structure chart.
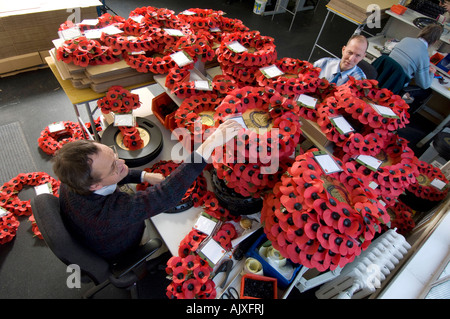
(390, 74)
(46, 211)
(368, 69)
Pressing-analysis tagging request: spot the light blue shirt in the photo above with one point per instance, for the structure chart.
(330, 68)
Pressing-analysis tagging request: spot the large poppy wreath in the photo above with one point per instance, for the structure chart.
(196, 114)
(298, 77)
(396, 173)
(273, 133)
(361, 140)
(320, 221)
(9, 192)
(358, 97)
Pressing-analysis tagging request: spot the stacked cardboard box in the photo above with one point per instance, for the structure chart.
(359, 10)
(27, 29)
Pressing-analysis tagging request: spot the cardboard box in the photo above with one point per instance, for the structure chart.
(20, 62)
(356, 10)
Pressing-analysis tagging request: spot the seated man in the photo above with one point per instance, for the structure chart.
(107, 220)
(338, 70)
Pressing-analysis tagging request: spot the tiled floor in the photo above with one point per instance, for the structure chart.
(34, 99)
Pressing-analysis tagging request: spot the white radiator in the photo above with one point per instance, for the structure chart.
(361, 277)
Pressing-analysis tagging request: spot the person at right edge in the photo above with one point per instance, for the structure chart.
(412, 55)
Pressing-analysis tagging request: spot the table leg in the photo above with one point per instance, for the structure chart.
(318, 36)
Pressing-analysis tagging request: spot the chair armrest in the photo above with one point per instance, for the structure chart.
(134, 258)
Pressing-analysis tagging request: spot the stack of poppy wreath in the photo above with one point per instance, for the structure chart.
(273, 134)
(196, 115)
(397, 172)
(83, 52)
(122, 101)
(430, 188)
(242, 66)
(320, 221)
(193, 194)
(10, 201)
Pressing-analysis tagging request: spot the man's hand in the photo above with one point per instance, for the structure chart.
(225, 132)
(153, 178)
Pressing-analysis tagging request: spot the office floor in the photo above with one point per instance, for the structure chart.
(34, 99)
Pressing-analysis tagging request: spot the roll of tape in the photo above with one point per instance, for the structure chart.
(275, 256)
(252, 266)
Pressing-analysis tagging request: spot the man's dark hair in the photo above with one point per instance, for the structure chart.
(72, 164)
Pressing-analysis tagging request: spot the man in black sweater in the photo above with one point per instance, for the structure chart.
(107, 220)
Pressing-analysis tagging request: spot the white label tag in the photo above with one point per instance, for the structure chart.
(307, 101)
(384, 111)
(205, 225)
(181, 58)
(236, 47)
(271, 71)
(124, 120)
(327, 163)
(369, 161)
(43, 189)
(174, 32)
(213, 251)
(56, 127)
(341, 124)
(203, 85)
(438, 184)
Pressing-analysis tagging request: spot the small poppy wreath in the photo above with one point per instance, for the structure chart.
(118, 100)
(364, 140)
(50, 142)
(398, 171)
(422, 188)
(195, 191)
(401, 217)
(8, 227)
(356, 97)
(260, 50)
(320, 221)
(9, 198)
(298, 77)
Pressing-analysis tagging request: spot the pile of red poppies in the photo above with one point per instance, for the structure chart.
(12, 204)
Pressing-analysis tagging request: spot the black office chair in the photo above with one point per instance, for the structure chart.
(123, 274)
(368, 69)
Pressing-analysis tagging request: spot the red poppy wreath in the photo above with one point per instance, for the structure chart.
(320, 221)
(396, 173)
(195, 192)
(196, 115)
(401, 217)
(83, 52)
(9, 192)
(50, 141)
(8, 226)
(297, 77)
(372, 106)
(431, 184)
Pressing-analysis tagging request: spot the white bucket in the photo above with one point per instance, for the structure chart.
(260, 6)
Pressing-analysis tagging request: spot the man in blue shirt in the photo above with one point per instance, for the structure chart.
(338, 70)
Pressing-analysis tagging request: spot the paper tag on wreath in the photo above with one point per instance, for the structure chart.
(341, 124)
(438, 184)
(326, 162)
(124, 120)
(203, 85)
(174, 32)
(306, 101)
(56, 127)
(370, 162)
(236, 47)
(384, 111)
(211, 251)
(43, 189)
(271, 71)
(206, 224)
(3, 212)
(181, 58)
